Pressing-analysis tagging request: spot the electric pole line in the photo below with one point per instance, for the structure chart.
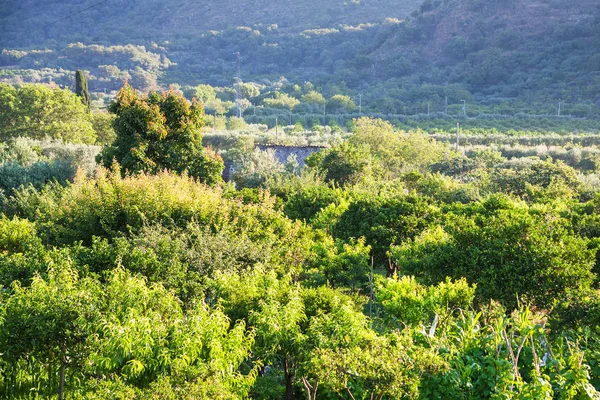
(238, 84)
(371, 294)
(428, 104)
(464, 108)
(558, 114)
(360, 104)
(446, 105)
(457, 134)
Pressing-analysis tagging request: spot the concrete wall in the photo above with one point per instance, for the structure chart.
(283, 152)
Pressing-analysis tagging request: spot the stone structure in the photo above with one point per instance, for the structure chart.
(283, 152)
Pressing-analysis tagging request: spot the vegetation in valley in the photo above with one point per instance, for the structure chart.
(378, 200)
(509, 58)
(391, 266)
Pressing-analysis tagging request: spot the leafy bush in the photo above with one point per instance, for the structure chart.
(511, 252)
(382, 222)
(411, 303)
(39, 112)
(159, 132)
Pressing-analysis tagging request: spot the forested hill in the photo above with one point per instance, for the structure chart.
(403, 56)
(500, 47)
(24, 22)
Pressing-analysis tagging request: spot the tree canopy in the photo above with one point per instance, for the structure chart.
(160, 131)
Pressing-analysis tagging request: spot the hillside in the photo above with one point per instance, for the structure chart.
(24, 23)
(513, 56)
(517, 48)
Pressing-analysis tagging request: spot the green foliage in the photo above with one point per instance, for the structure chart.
(510, 251)
(154, 285)
(313, 97)
(44, 333)
(16, 235)
(124, 332)
(310, 200)
(103, 125)
(203, 93)
(341, 103)
(161, 131)
(235, 124)
(256, 168)
(81, 88)
(411, 303)
(383, 222)
(40, 112)
(344, 164)
(526, 175)
(147, 335)
(158, 286)
(396, 151)
(25, 162)
(111, 206)
(281, 100)
(343, 264)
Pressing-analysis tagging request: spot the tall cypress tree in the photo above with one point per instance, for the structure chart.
(81, 88)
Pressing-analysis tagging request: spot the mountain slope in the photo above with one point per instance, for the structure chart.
(509, 56)
(537, 50)
(24, 22)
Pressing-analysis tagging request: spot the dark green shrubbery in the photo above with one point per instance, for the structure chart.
(512, 252)
(161, 286)
(160, 131)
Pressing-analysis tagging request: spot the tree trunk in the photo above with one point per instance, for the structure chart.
(61, 387)
(392, 269)
(289, 381)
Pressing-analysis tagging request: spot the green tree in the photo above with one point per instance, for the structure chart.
(281, 100)
(313, 97)
(81, 88)
(510, 251)
(43, 331)
(40, 112)
(385, 221)
(103, 125)
(204, 93)
(340, 103)
(397, 151)
(533, 178)
(160, 131)
(143, 335)
(345, 163)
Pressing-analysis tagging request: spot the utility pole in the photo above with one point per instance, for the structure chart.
(464, 108)
(371, 296)
(360, 104)
(446, 104)
(558, 109)
(238, 84)
(276, 128)
(457, 134)
(428, 104)
(324, 108)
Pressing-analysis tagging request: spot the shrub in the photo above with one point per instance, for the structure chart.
(511, 252)
(161, 131)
